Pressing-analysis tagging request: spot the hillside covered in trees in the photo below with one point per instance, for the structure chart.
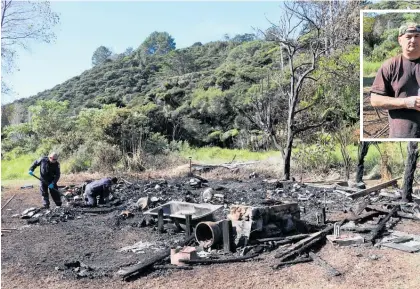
(250, 91)
(380, 33)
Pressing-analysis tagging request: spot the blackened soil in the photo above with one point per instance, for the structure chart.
(73, 242)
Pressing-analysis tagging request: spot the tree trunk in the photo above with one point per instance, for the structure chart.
(288, 155)
(363, 150)
(410, 168)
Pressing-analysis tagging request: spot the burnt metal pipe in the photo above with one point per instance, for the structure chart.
(208, 234)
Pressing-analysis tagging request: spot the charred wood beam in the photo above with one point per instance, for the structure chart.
(97, 210)
(304, 244)
(331, 270)
(381, 225)
(307, 243)
(362, 207)
(8, 201)
(139, 268)
(289, 238)
(230, 260)
(365, 192)
(296, 261)
(399, 214)
(172, 267)
(363, 217)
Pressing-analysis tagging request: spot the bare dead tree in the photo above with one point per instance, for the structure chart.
(307, 31)
(21, 23)
(410, 168)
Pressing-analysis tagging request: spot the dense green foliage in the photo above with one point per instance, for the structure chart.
(380, 34)
(157, 99)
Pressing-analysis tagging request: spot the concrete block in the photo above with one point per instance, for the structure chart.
(346, 240)
(186, 253)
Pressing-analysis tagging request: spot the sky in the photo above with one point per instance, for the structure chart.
(84, 26)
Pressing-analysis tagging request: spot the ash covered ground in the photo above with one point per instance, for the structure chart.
(74, 242)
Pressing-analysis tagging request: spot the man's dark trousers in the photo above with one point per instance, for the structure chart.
(43, 188)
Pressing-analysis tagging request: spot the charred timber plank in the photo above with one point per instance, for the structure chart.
(349, 189)
(139, 268)
(362, 207)
(296, 261)
(291, 254)
(374, 188)
(8, 201)
(295, 249)
(97, 210)
(309, 242)
(399, 214)
(364, 216)
(230, 260)
(382, 223)
(289, 239)
(172, 267)
(321, 262)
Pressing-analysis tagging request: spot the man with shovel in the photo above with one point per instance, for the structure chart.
(50, 174)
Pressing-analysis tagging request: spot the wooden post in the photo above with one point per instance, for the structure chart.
(160, 220)
(188, 225)
(324, 215)
(227, 229)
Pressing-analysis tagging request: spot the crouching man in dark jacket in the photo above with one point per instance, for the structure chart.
(50, 173)
(100, 188)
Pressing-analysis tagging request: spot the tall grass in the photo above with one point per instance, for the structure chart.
(373, 158)
(17, 169)
(215, 155)
(370, 68)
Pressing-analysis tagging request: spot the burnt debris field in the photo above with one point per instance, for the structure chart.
(156, 229)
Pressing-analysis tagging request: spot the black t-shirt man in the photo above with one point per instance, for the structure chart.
(397, 86)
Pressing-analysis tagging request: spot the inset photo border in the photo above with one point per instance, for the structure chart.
(379, 34)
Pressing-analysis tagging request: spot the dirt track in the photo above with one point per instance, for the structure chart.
(30, 255)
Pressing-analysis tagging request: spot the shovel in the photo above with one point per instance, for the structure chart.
(45, 183)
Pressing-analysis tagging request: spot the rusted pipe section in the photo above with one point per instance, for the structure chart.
(208, 234)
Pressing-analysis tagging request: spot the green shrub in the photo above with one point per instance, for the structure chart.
(105, 157)
(156, 144)
(80, 161)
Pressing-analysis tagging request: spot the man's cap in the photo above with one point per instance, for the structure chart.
(409, 28)
(53, 156)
